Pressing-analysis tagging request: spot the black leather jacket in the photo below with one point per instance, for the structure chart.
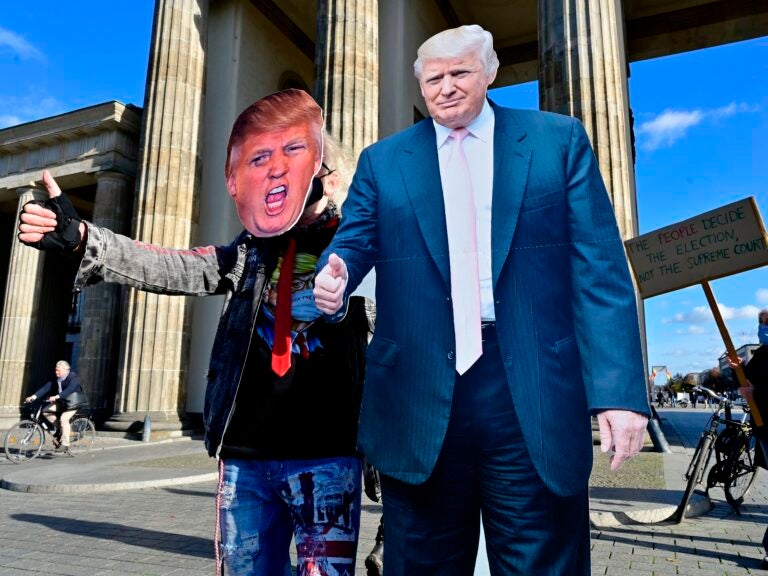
(239, 271)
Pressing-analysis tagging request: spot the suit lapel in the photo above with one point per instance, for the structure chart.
(511, 164)
(421, 178)
(420, 171)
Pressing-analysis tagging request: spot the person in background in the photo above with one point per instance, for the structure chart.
(374, 562)
(58, 410)
(762, 326)
(499, 267)
(284, 386)
(756, 391)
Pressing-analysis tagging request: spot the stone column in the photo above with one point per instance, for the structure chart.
(583, 73)
(152, 375)
(100, 329)
(22, 295)
(397, 45)
(347, 70)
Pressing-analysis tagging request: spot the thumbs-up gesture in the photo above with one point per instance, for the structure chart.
(52, 224)
(330, 284)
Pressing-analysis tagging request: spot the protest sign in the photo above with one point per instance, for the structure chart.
(718, 243)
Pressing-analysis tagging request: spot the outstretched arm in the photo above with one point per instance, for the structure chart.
(108, 257)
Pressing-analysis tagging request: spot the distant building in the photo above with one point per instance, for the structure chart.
(695, 378)
(744, 352)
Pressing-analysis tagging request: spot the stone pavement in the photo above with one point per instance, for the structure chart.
(132, 508)
(717, 543)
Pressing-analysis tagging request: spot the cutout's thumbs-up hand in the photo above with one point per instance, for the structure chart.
(330, 284)
(53, 224)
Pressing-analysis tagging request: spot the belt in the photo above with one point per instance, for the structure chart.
(487, 325)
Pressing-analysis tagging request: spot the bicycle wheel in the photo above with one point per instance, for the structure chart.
(741, 472)
(82, 436)
(694, 475)
(23, 441)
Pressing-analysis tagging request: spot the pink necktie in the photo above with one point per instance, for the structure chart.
(462, 244)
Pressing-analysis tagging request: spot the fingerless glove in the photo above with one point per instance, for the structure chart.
(66, 237)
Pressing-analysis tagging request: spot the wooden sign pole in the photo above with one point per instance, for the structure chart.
(731, 350)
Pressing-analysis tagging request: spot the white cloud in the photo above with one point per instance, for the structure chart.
(19, 46)
(7, 120)
(732, 109)
(703, 315)
(672, 125)
(698, 315)
(691, 329)
(28, 108)
(668, 127)
(747, 312)
(679, 353)
(762, 296)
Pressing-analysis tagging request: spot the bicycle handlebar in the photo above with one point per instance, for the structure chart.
(712, 394)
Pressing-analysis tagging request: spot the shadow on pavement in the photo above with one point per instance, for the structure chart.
(154, 539)
(675, 547)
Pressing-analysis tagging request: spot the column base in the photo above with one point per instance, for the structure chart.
(8, 417)
(161, 424)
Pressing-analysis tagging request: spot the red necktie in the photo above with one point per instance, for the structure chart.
(281, 348)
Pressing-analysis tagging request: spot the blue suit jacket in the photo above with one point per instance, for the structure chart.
(565, 306)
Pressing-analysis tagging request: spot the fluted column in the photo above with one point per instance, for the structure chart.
(152, 376)
(583, 73)
(22, 295)
(347, 70)
(100, 329)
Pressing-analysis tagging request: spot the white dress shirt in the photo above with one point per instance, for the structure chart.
(478, 148)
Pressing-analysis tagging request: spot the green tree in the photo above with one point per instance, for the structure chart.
(677, 383)
(714, 380)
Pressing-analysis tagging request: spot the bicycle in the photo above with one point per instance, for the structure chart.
(25, 439)
(734, 447)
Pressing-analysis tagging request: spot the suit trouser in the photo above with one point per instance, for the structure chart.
(433, 528)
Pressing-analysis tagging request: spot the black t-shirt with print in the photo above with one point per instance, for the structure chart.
(312, 411)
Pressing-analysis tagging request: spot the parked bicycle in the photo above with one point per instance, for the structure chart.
(733, 445)
(25, 439)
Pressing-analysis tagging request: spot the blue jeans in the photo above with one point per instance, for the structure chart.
(261, 504)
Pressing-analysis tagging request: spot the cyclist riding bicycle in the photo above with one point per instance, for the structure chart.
(64, 395)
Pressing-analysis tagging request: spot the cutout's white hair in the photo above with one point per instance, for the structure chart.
(458, 42)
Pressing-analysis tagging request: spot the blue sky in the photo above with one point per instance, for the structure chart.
(701, 127)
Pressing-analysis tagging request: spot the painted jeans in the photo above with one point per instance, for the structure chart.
(262, 504)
